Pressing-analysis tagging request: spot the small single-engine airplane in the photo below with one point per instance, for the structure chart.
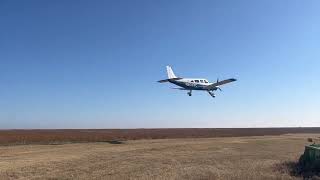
(190, 84)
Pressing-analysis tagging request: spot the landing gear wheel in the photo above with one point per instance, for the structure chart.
(189, 93)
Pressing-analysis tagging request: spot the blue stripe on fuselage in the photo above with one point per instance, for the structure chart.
(184, 85)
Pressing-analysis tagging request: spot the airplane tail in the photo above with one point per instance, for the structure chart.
(171, 76)
(170, 73)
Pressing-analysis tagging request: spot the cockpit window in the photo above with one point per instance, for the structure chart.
(192, 81)
(196, 81)
(201, 81)
(205, 81)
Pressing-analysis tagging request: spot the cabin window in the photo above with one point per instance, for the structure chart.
(205, 81)
(196, 81)
(192, 81)
(201, 81)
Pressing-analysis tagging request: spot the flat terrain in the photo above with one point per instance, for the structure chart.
(256, 157)
(57, 136)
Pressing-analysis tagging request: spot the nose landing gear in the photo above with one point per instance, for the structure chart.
(190, 93)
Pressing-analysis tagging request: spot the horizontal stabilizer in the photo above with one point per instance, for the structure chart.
(167, 80)
(181, 89)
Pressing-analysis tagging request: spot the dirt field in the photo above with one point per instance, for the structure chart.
(263, 157)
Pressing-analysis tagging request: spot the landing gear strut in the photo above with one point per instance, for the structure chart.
(211, 94)
(190, 93)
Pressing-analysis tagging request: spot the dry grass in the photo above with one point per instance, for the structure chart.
(203, 158)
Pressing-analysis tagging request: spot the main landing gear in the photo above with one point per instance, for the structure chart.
(190, 93)
(211, 94)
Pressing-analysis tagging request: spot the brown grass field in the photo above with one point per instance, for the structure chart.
(248, 157)
(58, 136)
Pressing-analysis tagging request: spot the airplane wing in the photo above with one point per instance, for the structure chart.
(167, 80)
(219, 83)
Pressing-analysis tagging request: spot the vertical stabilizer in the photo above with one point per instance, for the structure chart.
(170, 73)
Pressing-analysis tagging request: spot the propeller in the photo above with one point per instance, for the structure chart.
(218, 86)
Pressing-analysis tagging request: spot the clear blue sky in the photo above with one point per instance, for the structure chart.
(94, 64)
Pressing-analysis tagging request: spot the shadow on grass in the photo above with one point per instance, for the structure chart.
(297, 169)
(110, 142)
(56, 143)
(115, 142)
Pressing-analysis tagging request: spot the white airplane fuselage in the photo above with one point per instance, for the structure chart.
(193, 84)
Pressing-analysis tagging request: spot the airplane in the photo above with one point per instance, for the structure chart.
(191, 84)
